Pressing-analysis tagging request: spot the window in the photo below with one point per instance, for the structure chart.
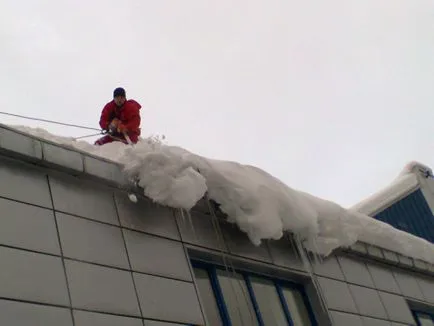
(233, 298)
(237, 298)
(205, 289)
(423, 319)
(268, 300)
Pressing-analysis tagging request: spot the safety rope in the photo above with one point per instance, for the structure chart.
(49, 121)
(229, 267)
(91, 135)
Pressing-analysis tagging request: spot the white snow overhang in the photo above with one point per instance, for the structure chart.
(406, 183)
(45, 153)
(379, 201)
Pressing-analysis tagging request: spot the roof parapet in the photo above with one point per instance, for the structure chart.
(417, 168)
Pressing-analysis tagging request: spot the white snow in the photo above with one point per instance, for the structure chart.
(402, 186)
(260, 204)
(133, 198)
(406, 182)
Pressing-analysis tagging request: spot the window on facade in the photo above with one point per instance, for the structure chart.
(207, 295)
(237, 298)
(269, 303)
(424, 319)
(232, 298)
(295, 302)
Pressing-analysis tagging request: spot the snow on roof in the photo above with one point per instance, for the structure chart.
(406, 183)
(260, 204)
(389, 195)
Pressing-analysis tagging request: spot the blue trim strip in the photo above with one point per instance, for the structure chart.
(218, 293)
(415, 318)
(284, 304)
(415, 312)
(253, 298)
(308, 306)
(220, 298)
(411, 214)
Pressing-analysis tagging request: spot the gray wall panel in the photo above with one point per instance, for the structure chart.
(83, 199)
(167, 299)
(91, 241)
(31, 276)
(283, 253)
(337, 295)
(383, 278)
(14, 313)
(28, 227)
(328, 267)
(85, 318)
(408, 285)
(101, 289)
(239, 244)
(155, 255)
(146, 216)
(397, 308)
(25, 184)
(201, 231)
(368, 301)
(355, 271)
(345, 319)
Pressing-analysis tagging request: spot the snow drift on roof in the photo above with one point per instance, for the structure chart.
(260, 204)
(406, 183)
(401, 187)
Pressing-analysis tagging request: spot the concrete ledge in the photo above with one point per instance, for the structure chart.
(391, 256)
(375, 251)
(21, 144)
(421, 265)
(63, 157)
(360, 248)
(48, 154)
(103, 169)
(405, 261)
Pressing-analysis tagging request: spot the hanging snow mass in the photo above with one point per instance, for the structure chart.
(260, 204)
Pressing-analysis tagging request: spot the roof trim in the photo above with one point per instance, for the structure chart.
(379, 201)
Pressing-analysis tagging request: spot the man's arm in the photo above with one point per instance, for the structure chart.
(105, 117)
(132, 122)
(132, 117)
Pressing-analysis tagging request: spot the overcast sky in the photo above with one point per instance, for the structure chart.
(333, 97)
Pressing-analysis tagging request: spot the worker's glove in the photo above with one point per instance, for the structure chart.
(121, 128)
(113, 126)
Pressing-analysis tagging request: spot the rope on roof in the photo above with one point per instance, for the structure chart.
(49, 121)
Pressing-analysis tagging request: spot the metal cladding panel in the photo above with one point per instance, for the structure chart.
(411, 214)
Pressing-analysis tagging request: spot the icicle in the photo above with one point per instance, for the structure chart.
(181, 212)
(228, 265)
(190, 219)
(307, 263)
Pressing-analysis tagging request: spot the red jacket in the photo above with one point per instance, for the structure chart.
(128, 114)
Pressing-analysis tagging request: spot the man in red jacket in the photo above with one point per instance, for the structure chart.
(120, 117)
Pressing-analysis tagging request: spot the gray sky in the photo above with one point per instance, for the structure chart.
(333, 97)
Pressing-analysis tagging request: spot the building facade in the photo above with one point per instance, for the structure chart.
(75, 251)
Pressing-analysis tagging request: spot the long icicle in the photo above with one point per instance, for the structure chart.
(307, 262)
(220, 239)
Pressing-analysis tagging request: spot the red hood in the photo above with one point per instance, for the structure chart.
(135, 103)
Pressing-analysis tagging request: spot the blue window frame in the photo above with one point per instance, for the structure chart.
(423, 318)
(286, 300)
